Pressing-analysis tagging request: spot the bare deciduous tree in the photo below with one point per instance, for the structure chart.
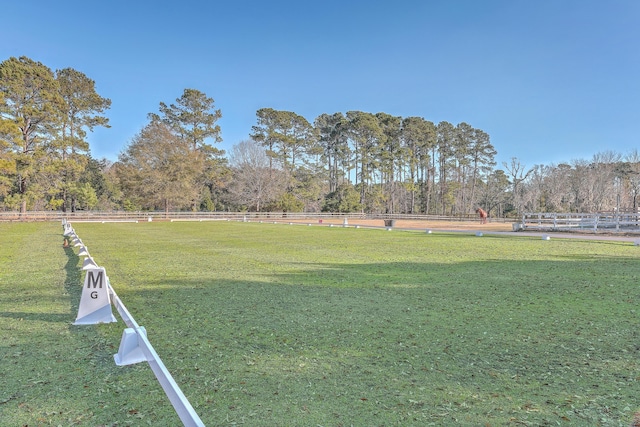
(518, 174)
(256, 182)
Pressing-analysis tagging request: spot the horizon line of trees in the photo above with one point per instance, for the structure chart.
(342, 162)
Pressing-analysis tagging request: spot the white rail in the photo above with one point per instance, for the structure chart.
(135, 347)
(181, 404)
(121, 216)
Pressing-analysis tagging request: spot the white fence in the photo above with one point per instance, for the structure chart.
(95, 216)
(95, 307)
(604, 221)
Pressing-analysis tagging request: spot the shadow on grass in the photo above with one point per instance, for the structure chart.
(102, 348)
(72, 287)
(479, 335)
(491, 342)
(73, 279)
(44, 317)
(576, 292)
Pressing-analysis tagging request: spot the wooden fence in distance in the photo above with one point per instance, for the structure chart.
(87, 216)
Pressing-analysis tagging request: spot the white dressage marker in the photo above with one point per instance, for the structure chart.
(95, 303)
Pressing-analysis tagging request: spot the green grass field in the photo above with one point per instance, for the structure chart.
(279, 325)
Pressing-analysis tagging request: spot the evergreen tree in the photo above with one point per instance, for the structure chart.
(31, 110)
(81, 110)
(193, 119)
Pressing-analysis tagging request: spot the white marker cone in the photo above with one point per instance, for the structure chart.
(68, 229)
(95, 302)
(89, 263)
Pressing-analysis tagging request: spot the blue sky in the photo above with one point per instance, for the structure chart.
(550, 81)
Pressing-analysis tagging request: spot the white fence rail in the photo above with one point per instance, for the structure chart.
(135, 346)
(605, 221)
(94, 216)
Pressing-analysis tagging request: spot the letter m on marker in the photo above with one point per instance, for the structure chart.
(96, 281)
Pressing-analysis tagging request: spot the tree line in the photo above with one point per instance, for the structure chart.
(45, 117)
(342, 162)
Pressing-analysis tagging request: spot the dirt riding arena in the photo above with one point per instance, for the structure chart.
(469, 226)
(417, 224)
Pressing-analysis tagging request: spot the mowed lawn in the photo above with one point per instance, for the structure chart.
(283, 325)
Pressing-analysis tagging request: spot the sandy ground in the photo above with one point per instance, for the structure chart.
(473, 227)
